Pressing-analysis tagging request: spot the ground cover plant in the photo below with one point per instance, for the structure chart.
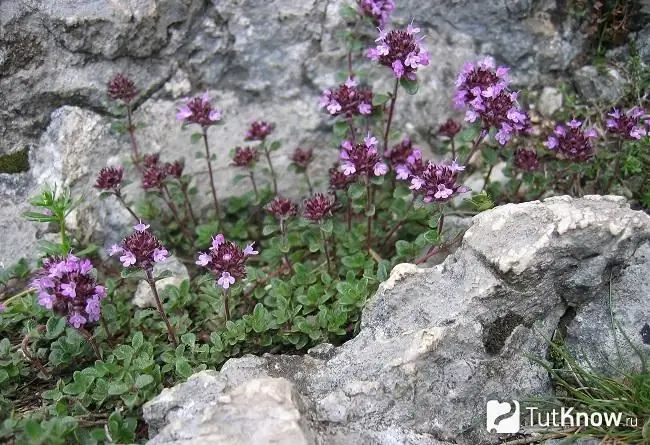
(273, 273)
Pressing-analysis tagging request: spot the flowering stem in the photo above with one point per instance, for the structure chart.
(131, 128)
(209, 161)
(121, 199)
(326, 249)
(24, 346)
(257, 194)
(453, 148)
(283, 240)
(167, 197)
(617, 168)
(188, 203)
(161, 309)
(487, 178)
(309, 186)
(399, 224)
(105, 326)
(91, 341)
(349, 210)
(441, 221)
(390, 115)
(475, 146)
(439, 248)
(226, 303)
(17, 296)
(368, 215)
(267, 154)
(352, 132)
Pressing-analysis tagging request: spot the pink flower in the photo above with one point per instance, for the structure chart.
(128, 259)
(160, 254)
(249, 250)
(203, 260)
(380, 169)
(141, 227)
(226, 280)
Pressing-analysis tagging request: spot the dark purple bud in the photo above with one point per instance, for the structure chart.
(122, 88)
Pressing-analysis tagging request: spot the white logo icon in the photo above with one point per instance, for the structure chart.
(497, 422)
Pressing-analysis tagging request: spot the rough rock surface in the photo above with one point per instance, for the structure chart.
(435, 344)
(259, 59)
(143, 296)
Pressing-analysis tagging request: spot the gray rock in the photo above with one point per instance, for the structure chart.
(596, 86)
(550, 100)
(143, 296)
(436, 343)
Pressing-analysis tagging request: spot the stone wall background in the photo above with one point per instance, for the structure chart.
(258, 58)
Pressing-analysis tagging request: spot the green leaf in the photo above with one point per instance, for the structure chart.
(54, 327)
(143, 380)
(136, 274)
(410, 86)
(117, 388)
(380, 99)
(403, 248)
(123, 352)
(38, 217)
(137, 340)
(490, 155)
(432, 237)
(327, 226)
(183, 368)
(189, 339)
(275, 145)
(196, 137)
(269, 229)
(164, 274)
(356, 191)
(370, 211)
(355, 261)
(341, 129)
(382, 270)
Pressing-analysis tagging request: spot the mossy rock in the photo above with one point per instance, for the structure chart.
(17, 162)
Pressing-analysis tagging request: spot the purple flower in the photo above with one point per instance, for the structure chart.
(400, 50)
(249, 250)
(629, 125)
(109, 179)
(362, 159)
(282, 208)
(302, 158)
(572, 142)
(199, 110)
(246, 157)
(226, 280)
(449, 129)
(226, 261)
(122, 88)
(2, 307)
(217, 240)
(438, 182)
(348, 100)
(378, 11)
(318, 208)
(259, 130)
(160, 255)
(339, 180)
(526, 159)
(114, 250)
(380, 169)
(142, 248)
(68, 287)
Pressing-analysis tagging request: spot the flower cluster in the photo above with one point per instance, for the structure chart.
(140, 249)
(378, 11)
(199, 110)
(226, 260)
(245, 157)
(302, 158)
(347, 100)
(122, 88)
(449, 129)
(109, 179)
(318, 208)
(69, 287)
(572, 142)
(259, 131)
(175, 168)
(526, 159)
(628, 125)
(405, 159)
(282, 208)
(438, 182)
(362, 159)
(339, 180)
(400, 51)
(483, 90)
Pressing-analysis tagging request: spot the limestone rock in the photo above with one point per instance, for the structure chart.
(143, 296)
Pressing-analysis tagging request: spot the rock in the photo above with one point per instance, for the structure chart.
(263, 411)
(597, 86)
(436, 343)
(143, 296)
(550, 101)
(56, 58)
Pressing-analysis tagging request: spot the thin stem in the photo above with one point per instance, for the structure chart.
(188, 203)
(209, 161)
(17, 296)
(91, 341)
(161, 309)
(350, 72)
(120, 198)
(226, 303)
(453, 148)
(368, 204)
(167, 197)
(65, 242)
(353, 134)
(24, 346)
(309, 186)
(475, 146)
(391, 110)
(441, 222)
(105, 326)
(257, 194)
(349, 211)
(267, 154)
(399, 224)
(283, 240)
(326, 249)
(487, 178)
(617, 168)
(438, 249)
(131, 128)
